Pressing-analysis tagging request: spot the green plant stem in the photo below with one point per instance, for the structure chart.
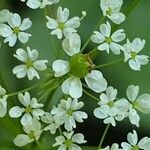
(103, 136)
(60, 131)
(131, 7)
(90, 95)
(39, 145)
(88, 40)
(108, 64)
(92, 51)
(24, 90)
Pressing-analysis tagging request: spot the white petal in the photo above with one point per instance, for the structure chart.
(3, 109)
(24, 37)
(58, 33)
(72, 87)
(16, 20)
(32, 73)
(142, 59)
(72, 45)
(117, 18)
(134, 117)
(78, 138)
(20, 71)
(21, 55)
(61, 67)
(73, 23)
(26, 24)
(11, 40)
(33, 54)
(62, 14)
(34, 4)
(104, 47)
(97, 37)
(132, 92)
(26, 119)
(134, 65)
(24, 99)
(5, 30)
(16, 112)
(96, 81)
(118, 36)
(138, 44)
(51, 24)
(22, 140)
(132, 138)
(116, 48)
(40, 65)
(106, 29)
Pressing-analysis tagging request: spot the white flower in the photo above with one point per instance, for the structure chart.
(114, 146)
(4, 15)
(142, 103)
(15, 29)
(31, 108)
(34, 4)
(111, 9)
(73, 86)
(131, 53)
(62, 25)
(111, 110)
(72, 44)
(33, 133)
(107, 41)
(68, 141)
(31, 64)
(3, 102)
(133, 142)
(48, 118)
(68, 113)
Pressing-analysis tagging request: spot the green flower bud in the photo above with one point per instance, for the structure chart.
(80, 65)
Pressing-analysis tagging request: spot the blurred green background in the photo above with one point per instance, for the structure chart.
(119, 75)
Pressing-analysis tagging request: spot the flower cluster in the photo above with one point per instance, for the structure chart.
(74, 74)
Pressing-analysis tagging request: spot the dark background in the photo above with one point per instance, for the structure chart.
(119, 75)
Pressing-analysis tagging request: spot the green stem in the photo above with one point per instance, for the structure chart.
(131, 7)
(24, 90)
(88, 40)
(103, 136)
(92, 51)
(108, 64)
(39, 145)
(60, 131)
(90, 95)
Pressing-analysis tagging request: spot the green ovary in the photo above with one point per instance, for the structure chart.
(108, 40)
(136, 147)
(31, 135)
(16, 30)
(111, 104)
(80, 65)
(28, 110)
(133, 55)
(61, 26)
(29, 63)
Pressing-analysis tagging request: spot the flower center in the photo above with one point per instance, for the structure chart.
(28, 109)
(111, 104)
(16, 30)
(29, 63)
(68, 143)
(61, 25)
(31, 135)
(70, 112)
(133, 55)
(109, 11)
(136, 147)
(108, 40)
(80, 65)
